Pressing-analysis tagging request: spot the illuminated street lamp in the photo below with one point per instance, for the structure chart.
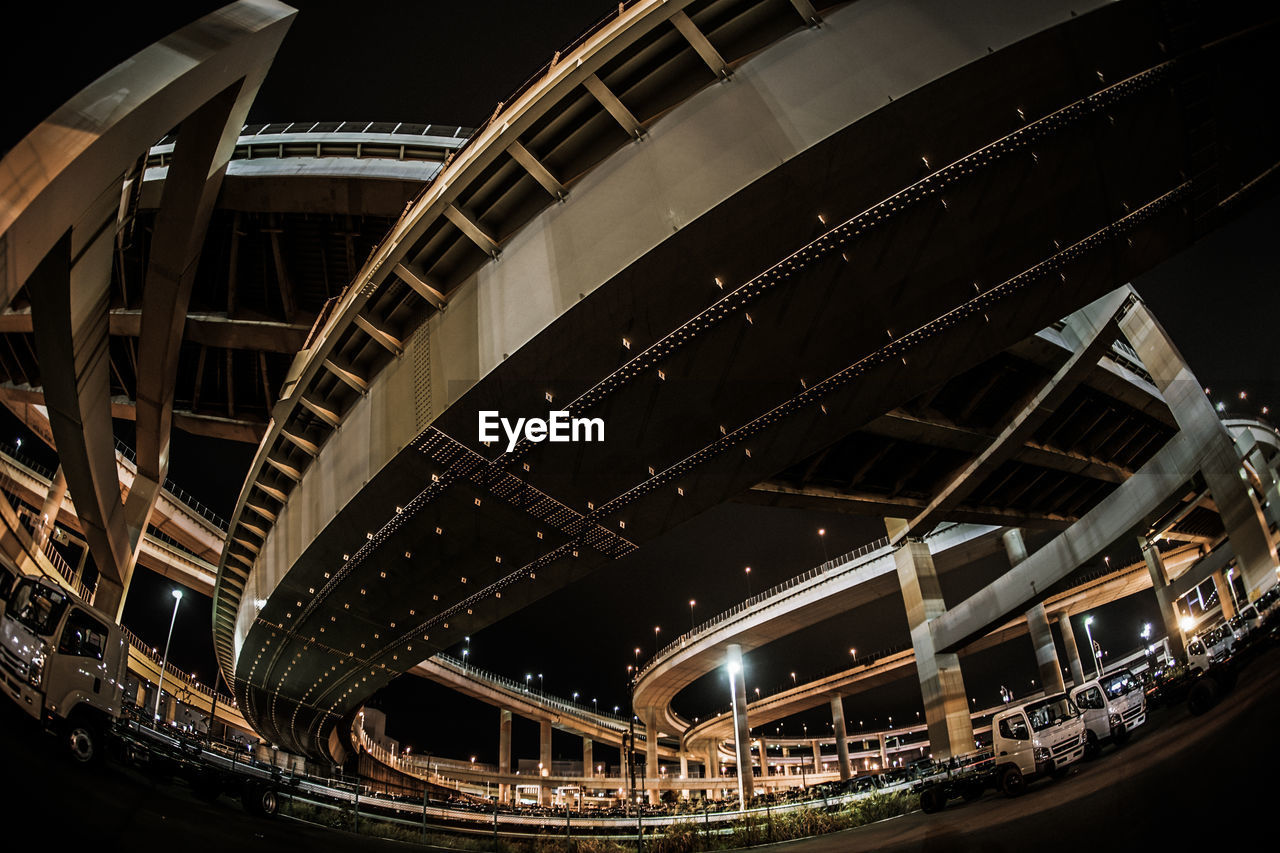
(747, 572)
(177, 597)
(691, 603)
(822, 537)
(1093, 649)
(1146, 631)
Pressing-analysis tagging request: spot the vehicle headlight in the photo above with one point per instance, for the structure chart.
(1115, 720)
(1041, 754)
(35, 671)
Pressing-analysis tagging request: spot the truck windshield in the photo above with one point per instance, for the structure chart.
(36, 607)
(1049, 712)
(1119, 684)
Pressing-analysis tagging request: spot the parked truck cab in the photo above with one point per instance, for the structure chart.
(64, 663)
(1112, 707)
(1041, 737)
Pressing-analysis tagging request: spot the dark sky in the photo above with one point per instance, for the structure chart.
(450, 63)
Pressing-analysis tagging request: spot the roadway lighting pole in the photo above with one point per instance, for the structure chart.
(656, 629)
(748, 574)
(1092, 651)
(177, 597)
(822, 537)
(691, 603)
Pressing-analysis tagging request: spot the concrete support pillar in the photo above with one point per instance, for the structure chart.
(1220, 463)
(741, 731)
(786, 765)
(1164, 597)
(763, 754)
(713, 770)
(1037, 623)
(884, 750)
(817, 756)
(1226, 596)
(842, 736)
(946, 708)
(504, 753)
(588, 765)
(651, 765)
(544, 758)
(1073, 651)
(684, 774)
(1046, 653)
(52, 504)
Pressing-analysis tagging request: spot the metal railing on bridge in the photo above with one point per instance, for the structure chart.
(510, 684)
(186, 498)
(843, 562)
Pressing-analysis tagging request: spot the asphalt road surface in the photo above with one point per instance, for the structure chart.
(1182, 784)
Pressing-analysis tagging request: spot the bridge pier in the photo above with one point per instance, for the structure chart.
(817, 756)
(842, 736)
(1073, 650)
(946, 709)
(1164, 598)
(1226, 597)
(741, 731)
(712, 769)
(52, 505)
(544, 763)
(651, 752)
(1219, 461)
(588, 765)
(684, 774)
(1037, 623)
(504, 753)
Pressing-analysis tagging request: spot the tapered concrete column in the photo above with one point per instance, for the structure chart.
(1225, 595)
(588, 765)
(504, 752)
(762, 752)
(651, 769)
(1037, 623)
(52, 504)
(741, 731)
(817, 756)
(1046, 653)
(1164, 598)
(786, 765)
(713, 770)
(842, 736)
(1073, 651)
(684, 774)
(946, 708)
(1219, 462)
(884, 750)
(544, 758)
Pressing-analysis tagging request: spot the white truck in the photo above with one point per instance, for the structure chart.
(64, 663)
(1037, 738)
(1112, 707)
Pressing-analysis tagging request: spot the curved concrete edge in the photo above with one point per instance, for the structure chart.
(781, 102)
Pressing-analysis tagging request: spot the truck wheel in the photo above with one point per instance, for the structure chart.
(1091, 748)
(1012, 783)
(260, 799)
(1203, 696)
(932, 800)
(82, 739)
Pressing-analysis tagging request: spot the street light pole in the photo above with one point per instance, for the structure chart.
(691, 603)
(1089, 634)
(177, 597)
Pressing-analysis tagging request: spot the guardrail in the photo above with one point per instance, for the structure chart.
(843, 562)
(186, 498)
(514, 686)
(179, 677)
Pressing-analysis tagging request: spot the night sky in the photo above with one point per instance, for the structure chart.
(451, 63)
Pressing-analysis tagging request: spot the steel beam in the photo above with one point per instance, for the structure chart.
(700, 44)
(613, 106)
(536, 170)
(1096, 325)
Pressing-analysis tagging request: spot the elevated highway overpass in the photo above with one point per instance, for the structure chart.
(765, 272)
